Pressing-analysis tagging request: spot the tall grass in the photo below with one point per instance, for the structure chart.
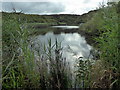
(53, 68)
(109, 39)
(21, 69)
(18, 60)
(105, 23)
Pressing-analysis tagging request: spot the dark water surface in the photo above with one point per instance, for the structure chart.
(73, 44)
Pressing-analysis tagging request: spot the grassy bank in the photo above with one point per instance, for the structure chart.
(105, 27)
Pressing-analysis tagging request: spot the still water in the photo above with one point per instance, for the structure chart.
(73, 44)
(66, 27)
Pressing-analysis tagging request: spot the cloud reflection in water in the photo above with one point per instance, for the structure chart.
(74, 45)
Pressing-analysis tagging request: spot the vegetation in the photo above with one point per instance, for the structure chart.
(55, 19)
(0, 50)
(21, 69)
(105, 24)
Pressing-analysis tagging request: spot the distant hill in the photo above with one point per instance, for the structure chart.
(56, 19)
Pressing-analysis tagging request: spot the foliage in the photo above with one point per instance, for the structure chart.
(53, 69)
(83, 73)
(18, 61)
(21, 69)
(106, 24)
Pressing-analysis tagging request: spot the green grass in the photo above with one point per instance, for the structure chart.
(106, 22)
(38, 25)
(20, 69)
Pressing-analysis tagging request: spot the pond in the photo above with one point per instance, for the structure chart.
(73, 44)
(66, 27)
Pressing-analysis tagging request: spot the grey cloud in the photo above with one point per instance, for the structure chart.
(34, 7)
(86, 1)
(0, 6)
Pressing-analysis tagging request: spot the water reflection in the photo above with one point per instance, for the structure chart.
(74, 45)
(66, 27)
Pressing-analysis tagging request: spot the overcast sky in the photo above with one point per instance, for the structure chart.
(51, 6)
